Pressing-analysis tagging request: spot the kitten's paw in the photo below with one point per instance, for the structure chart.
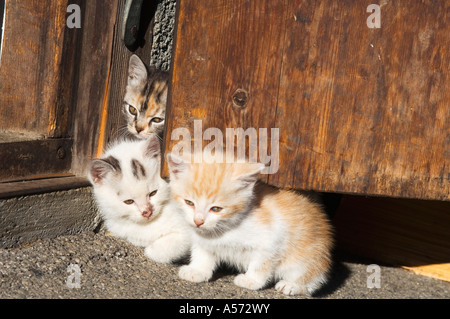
(289, 288)
(246, 281)
(158, 255)
(192, 274)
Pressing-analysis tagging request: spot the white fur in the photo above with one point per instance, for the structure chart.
(255, 248)
(246, 246)
(164, 234)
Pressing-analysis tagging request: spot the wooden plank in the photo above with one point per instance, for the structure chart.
(61, 125)
(23, 159)
(221, 73)
(31, 62)
(359, 110)
(409, 233)
(91, 96)
(51, 183)
(366, 110)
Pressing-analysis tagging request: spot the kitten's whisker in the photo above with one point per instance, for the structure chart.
(123, 132)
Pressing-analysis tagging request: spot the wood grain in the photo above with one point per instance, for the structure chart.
(46, 184)
(31, 67)
(57, 82)
(228, 58)
(359, 110)
(94, 67)
(24, 159)
(366, 110)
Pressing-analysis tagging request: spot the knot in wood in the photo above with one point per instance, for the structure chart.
(61, 153)
(240, 98)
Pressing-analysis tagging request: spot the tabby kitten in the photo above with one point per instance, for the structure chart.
(269, 234)
(134, 200)
(145, 99)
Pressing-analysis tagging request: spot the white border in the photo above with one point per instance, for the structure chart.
(3, 32)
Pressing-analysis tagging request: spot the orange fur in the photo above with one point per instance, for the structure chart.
(146, 92)
(153, 106)
(302, 234)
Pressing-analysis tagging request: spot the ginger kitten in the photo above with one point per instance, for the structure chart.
(134, 200)
(269, 234)
(145, 99)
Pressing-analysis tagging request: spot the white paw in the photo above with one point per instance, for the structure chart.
(245, 281)
(289, 288)
(158, 255)
(192, 274)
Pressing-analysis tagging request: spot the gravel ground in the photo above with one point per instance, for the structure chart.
(112, 268)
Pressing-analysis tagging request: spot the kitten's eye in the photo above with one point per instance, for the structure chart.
(156, 120)
(152, 193)
(132, 110)
(189, 203)
(128, 201)
(216, 209)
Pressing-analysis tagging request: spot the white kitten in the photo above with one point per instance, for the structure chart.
(134, 200)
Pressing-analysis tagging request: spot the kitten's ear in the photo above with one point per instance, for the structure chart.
(100, 168)
(176, 166)
(246, 174)
(163, 95)
(152, 147)
(137, 71)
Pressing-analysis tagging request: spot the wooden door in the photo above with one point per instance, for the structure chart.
(359, 109)
(35, 81)
(61, 90)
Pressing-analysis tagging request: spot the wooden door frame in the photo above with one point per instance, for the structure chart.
(89, 91)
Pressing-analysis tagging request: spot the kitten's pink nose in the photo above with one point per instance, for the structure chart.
(198, 222)
(147, 213)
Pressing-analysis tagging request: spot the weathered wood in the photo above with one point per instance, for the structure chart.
(69, 75)
(31, 67)
(37, 80)
(91, 105)
(229, 61)
(366, 110)
(26, 159)
(359, 110)
(60, 82)
(113, 122)
(51, 183)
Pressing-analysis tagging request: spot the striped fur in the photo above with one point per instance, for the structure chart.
(145, 99)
